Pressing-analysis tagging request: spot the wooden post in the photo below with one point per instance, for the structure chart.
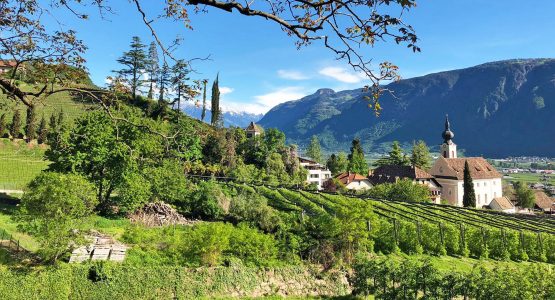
(395, 231)
(419, 232)
(369, 225)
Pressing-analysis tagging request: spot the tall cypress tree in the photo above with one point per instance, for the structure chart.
(469, 196)
(152, 68)
(30, 124)
(43, 131)
(15, 127)
(357, 163)
(216, 114)
(134, 61)
(203, 114)
(3, 125)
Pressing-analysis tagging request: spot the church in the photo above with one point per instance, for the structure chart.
(449, 172)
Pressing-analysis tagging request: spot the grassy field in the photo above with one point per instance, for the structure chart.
(71, 106)
(529, 178)
(19, 163)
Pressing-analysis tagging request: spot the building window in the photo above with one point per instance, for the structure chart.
(314, 176)
(485, 184)
(478, 198)
(485, 198)
(494, 194)
(445, 154)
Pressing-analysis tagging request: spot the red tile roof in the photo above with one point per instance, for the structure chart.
(7, 63)
(347, 177)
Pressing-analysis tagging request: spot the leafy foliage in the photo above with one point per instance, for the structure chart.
(54, 208)
(357, 163)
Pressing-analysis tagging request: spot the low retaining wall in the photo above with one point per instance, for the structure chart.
(96, 281)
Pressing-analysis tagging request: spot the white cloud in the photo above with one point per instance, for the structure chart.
(263, 103)
(224, 90)
(292, 75)
(341, 74)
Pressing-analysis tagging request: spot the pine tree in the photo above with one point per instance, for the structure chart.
(314, 151)
(469, 196)
(3, 125)
(180, 72)
(203, 114)
(30, 124)
(152, 68)
(215, 106)
(395, 157)
(15, 127)
(134, 61)
(420, 156)
(337, 163)
(164, 81)
(357, 163)
(61, 119)
(43, 131)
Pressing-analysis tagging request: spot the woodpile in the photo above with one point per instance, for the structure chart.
(158, 214)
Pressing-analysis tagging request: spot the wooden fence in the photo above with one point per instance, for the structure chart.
(7, 241)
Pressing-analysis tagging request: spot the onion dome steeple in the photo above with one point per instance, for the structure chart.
(447, 134)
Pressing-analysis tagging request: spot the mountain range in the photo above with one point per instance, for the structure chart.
(497, 109)
(230, 118)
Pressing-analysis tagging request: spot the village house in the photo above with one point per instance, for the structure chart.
(354, 181)
(543, 202)
(6, 65)
(448, 170)
(502, 204)
(253, 130)
(317, 173)
(391, 174)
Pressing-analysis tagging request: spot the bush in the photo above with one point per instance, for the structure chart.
(209, 201)
(54, 208)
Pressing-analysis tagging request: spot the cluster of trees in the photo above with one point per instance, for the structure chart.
(171, 82)
(355, 162)
(32, 130)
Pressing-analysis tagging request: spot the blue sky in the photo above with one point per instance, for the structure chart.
(260, 66)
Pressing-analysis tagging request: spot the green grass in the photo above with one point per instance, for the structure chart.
(529, 178)
(10, 226)
(19, 164)
(72, 107)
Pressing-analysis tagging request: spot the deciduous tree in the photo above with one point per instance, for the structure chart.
(54, 208)
(314, 151)
(524, 195)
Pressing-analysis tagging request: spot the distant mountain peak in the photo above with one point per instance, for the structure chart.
(325, 91)
(503, 108)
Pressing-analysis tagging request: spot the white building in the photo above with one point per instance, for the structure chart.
(449, 172)
(317, 173)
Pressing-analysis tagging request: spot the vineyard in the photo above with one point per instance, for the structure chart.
(415, 228)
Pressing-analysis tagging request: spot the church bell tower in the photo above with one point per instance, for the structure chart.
(448, 148)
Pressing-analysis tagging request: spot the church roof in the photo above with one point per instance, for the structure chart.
(253, 127)
(480, 168)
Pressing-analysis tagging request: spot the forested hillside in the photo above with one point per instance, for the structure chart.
(496, 109)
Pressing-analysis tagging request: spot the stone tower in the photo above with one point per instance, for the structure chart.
(448, 148)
